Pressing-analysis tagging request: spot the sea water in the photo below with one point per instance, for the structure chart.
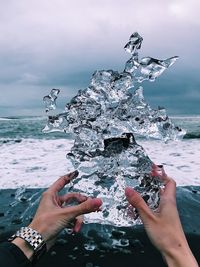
(33, 159)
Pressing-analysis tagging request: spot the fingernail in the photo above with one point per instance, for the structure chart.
(160, 166)
(73, 174)
(77, 228)
(129, 191)
(97, 202)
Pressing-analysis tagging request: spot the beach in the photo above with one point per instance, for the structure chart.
(99, 245)
(31, 161)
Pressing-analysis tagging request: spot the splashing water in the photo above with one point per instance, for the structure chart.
(103, 119)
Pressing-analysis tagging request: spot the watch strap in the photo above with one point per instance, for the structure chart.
(33, 238)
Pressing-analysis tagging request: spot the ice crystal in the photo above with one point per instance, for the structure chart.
(104, 119)
(50, 100)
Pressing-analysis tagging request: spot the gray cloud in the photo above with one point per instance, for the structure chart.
(59, 43)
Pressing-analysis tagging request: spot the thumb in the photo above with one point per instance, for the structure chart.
(90, 205)
(135, 199)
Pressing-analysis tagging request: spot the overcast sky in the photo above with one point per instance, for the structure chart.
(48, 44)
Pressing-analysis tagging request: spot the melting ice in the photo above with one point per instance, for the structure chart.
(105, 120)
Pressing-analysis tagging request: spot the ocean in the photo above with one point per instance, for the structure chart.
(33, 155)
(31, 160)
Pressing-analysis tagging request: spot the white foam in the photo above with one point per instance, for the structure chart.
(4, 119)
(33, 163)
(38, 163)
(180, 159)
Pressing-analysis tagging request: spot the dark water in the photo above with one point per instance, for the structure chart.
(191, 124)
(26, 127)
(31, 127)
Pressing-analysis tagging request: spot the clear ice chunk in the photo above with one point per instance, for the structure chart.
(50, 100)
(132, 64)
(104, 119)
(151, 68)
(135, 42)
(56, 123)
(106, 173)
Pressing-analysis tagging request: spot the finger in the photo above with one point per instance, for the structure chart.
(168, 198)
(164, 176)
(161, 191)
(78, 223)
(154, 166)
(135, 199)
(62, 181)
(170, 184)
(170, 189)
(90, 205)
(156, 170)
(72, 196)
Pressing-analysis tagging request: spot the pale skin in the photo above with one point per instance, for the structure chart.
(53, 215)
(163, 227)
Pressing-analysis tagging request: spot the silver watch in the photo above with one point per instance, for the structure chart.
(33, 238)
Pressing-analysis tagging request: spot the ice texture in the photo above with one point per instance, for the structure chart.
(105, 119)
(50, 100)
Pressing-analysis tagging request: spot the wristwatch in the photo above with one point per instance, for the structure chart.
(34, 239)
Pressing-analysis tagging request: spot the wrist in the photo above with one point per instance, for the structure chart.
(24, 246)
(30, 242)
(180, 257)
(41, 228)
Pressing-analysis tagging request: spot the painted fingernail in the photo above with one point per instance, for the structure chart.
(160, 166)
(73, 174)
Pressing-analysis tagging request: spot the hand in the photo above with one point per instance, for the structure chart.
(52, 215)
(163, 226)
